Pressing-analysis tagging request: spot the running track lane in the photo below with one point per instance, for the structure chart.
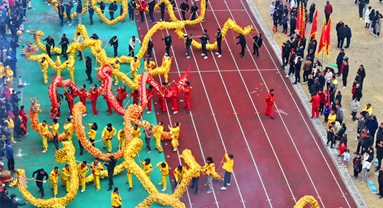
(229, 131)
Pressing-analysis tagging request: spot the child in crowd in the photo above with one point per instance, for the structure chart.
(346, 157)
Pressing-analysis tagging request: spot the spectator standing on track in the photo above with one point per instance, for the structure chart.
(209, 168)
(218, 36)
(270, 98)
(228, 167)
(242, 42)
(204, 38)
(367, 158)
(357, 164)
(257, 43)
(327, 11)
(188, 41)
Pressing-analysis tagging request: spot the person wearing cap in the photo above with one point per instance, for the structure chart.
(339, 60)
(209, 169)
(40, 174)
(107, 135)
(228, 167)
(15, 203)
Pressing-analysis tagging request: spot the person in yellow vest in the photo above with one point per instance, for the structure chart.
(175, 135)
(116, 68)
(134, 66)
(92, 132)
(135, 131)
(121, 138)
(96, 167)
(9, 76)
(43, 129)
(178, 173)
(11, 125)
(65, 177)
(68, 127)
(44, 68)
(53, 179)
(82, 171)
(129, 175)
(209, 168)
(116, 198)
(157, 135)
(195, 180)
(2, 70)
(107, 135)
(368, 109)
(164, 174)
(149, 65)
(147, 167)
(228, 167)
(331, 117)
(55, 132)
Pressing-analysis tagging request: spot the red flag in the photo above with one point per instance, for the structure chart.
(274, 29)
(322, 42)
(314, 28)
(302, 29)
(183, 79)
(327, 38)
(299, 16)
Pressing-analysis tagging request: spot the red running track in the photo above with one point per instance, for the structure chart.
(276, 161)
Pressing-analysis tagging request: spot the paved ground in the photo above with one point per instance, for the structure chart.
(363, 50)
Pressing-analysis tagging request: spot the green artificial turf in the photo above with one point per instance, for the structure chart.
(28, 153)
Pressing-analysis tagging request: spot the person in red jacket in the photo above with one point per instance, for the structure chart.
(315, 103)
(327, 11)
(136, 96)
(322, 101)
(162, 97)
(83, 94)
(121, 95)
(94, 93)
(142, 8)
(108, 104)
(25, 119)
(149, 95)
(186, 90)
(270, 102)
(69, 97)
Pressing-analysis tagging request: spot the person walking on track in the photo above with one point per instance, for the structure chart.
(228, 167)
(270, 102)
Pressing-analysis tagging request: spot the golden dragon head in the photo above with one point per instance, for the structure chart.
(35, 106)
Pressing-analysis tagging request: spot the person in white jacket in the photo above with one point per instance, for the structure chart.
(272, 7)
(293, 4)
(367, 17)
(367, 158)
(354, 109)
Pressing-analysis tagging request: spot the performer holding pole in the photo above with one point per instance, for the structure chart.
(164, 174)
(228, 167)
(157, 135)
(175, 135)
(111, 165)
(114, 43)
(193, 11)
(218, 36)
(94, 93)
(61, 11)
(186, 90)
(121, 95)
(115, 69)
(184, 8)
(134, 67)
(49, 42)
(82, 171)
(204, 38)
(209, 168)
(107, 135)
(83, 95)
(257, 43)
(44, 68)
(112, 9)
(40, 174)
(96, 167)
(168, 42)
(53, 180)
(91, 134)
(136, 96)
(64, 46)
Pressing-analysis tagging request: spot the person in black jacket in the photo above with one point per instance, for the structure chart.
(131, 8)
(188, 41)
(380, 181)
(61, 11)
(184, 8)
(219, 42)
(330, 137)
(78, 11)
(91, 12)
(68, 8)
(114, 42)
(291, 61)
(64, 46)
(379, 134)
(39, 180)
(345, 72)
(193, 11)
(204, 38)
(122, 11)
(379, 155)
(15, 203)
(112, 9)
(341, 33)
(102, 7)
(285, 54)
(151, 6)
(312, 45)
(293, 24)
(150, 49)
(312, 11)
(357, 164)
(257, 43)
(49, 42)
(111, 165)
(361, 4)
(5, 201)
(242, 42)
(14, 44)
(162, 9)
(348, 36)
(88, 69)
(297, 68)
(168, 42)
(362, 73)
(275, 19)
(339, 60)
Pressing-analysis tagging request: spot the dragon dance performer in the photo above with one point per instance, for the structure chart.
(186, 90)
(270, 102)
(108, 104)
(44, 68)
(135, 131)
(94, 93)
(162, 97)
(149, 64)
(60, 97)
(209, 168)
(43, 129)
(121, 95)
(121, 138)
(65, 177)
(9, 76)
(68, 127)
(70, 95)
(53, 179)
(147, 167)
(107, 135)
(82, 171)
(116, 68)
(83, 94)
(178, 174)
(115, 197)
(173, 91)
(96, 167)
(184, 8)
(157, 135)
(136, 96)
(129, 175)
(49, 42)
(134, 66)
(175, 135)
(91, 133)
(55, 131)
(132, 45)
(149, 95)
(164, 174)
